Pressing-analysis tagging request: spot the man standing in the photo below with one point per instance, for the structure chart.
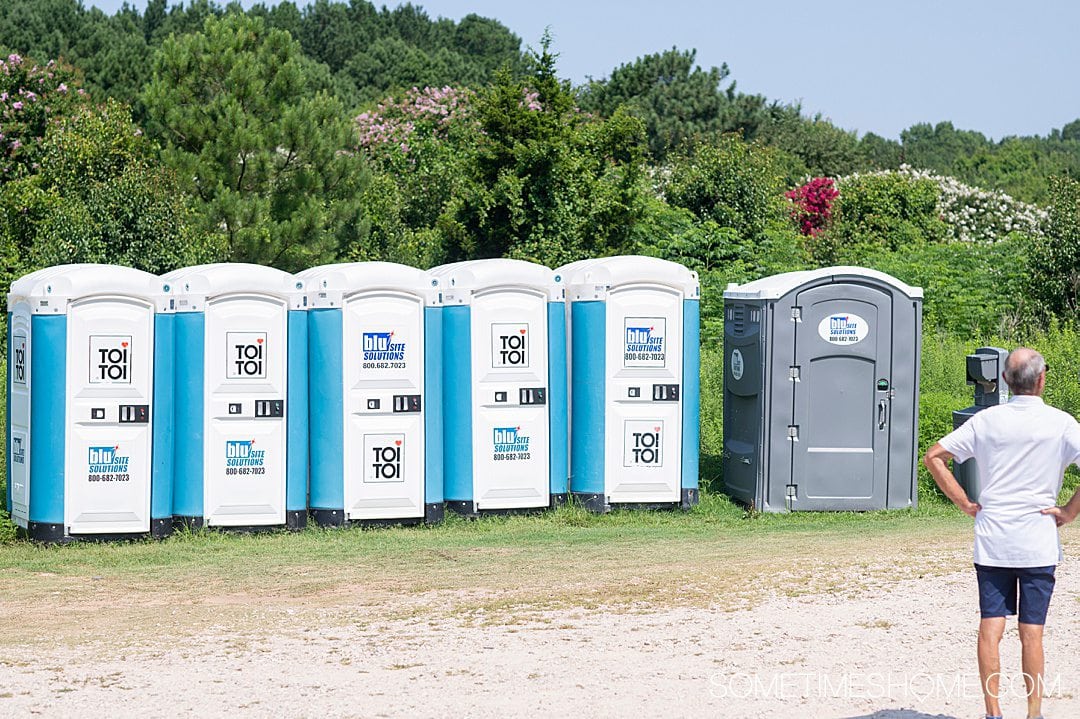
(1022, 450)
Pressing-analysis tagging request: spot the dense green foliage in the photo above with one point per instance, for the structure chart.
(341, 131)
(258, 141)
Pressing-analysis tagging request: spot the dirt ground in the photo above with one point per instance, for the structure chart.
(899, 648)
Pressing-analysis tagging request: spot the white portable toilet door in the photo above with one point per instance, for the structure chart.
(245, 386)
(110, 371)
(843, 349)
(511, 431)
(383, 363)
(19, 394)
(643, 415)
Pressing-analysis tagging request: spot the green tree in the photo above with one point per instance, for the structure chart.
(875, 212)
(1055, 259)
(674, 97)
(266, 152)
(98, 197)
(822, 148)
(549, 184)
(733, 183)
(937, 147)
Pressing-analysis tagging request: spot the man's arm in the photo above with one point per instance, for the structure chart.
(935, 460)
(1067, 512)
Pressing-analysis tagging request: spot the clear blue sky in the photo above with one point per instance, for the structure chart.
(1003, 68)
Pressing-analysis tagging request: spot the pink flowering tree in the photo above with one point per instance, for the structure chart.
(419, 146)
(812, 205)
(396, 125)
(31, 97)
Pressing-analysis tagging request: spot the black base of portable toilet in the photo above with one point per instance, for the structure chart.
(48, 533)
(43, 532)
(598, 503)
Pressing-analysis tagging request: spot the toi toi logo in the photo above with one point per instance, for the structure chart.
(509, 345)
(642, 444)
(385, 452)
(110, 359)
(19, 369)
(246, 355)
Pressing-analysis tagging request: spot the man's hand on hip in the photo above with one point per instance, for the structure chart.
(1061, 515)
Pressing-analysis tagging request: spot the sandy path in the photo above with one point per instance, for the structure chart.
(899, 650)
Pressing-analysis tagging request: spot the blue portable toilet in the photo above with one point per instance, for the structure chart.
(375, 343)
(89, 407)
(635, 382)
(504, 386)
(242, 403)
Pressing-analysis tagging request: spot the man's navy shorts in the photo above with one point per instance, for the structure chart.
(999, 588)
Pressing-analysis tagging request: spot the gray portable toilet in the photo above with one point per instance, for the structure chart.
(89, 403)
(241, 379)
(635, 382)
(504, 386)
(821, 390)
(375, 331)
(985, 369)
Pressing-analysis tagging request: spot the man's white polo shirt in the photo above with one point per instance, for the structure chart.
(1022, 449)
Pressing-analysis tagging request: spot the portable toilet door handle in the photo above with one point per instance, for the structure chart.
(882, 413)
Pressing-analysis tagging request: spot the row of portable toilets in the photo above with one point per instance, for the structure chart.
(237, 395)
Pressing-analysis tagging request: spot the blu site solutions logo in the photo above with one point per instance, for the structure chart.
(242, 453)
(841, 325)
(107, 460)
(509, 439)
(641, 339)
(843, 328)
(380, 346)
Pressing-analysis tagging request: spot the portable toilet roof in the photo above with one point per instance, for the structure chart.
(589, 279)
(461, 279)
(50, 289)
(327, 285)
(775, 287)
(195, 284)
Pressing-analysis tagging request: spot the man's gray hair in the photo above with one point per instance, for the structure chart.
(1022, 370)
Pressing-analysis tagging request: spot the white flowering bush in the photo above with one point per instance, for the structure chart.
(970, 214)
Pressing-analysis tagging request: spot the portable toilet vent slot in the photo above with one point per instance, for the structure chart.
(821, 383)
(241, 375)
(504, 386)
(89, 403)
(375, 331)
(634, 396)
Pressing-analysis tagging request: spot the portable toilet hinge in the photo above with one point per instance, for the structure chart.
(796, 314)
(793, 373)
(792, 495)
(793, 433)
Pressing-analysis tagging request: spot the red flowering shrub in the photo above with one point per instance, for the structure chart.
(812, 205)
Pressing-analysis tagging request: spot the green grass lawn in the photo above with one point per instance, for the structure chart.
(495, 569)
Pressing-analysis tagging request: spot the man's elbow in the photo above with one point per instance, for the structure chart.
(936, 453)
